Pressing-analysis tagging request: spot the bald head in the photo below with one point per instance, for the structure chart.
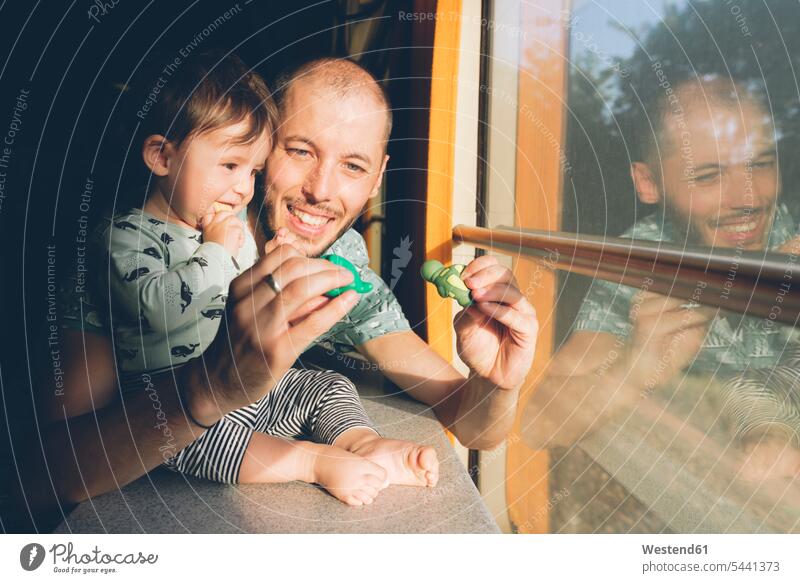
(704, 95)
(342, 78)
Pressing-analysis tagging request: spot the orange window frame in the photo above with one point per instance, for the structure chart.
(541, 122)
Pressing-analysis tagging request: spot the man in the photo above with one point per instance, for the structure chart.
(710, 166)
(328, 161)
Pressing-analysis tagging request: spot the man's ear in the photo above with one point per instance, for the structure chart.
(645, 182)
(377, 188)
(156, 153)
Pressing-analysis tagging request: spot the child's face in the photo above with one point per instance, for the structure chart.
(211, 172)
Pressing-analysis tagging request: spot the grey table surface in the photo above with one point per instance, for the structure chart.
(166, 502)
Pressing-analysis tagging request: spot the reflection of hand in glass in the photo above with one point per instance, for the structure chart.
(666, 336)
(772, 457)
(791, 247)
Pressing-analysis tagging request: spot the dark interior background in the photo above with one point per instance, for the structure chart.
(77, 125)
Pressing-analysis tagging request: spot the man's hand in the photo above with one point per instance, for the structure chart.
(226, 229)
(666, 336)
(791, 247)
(264, 332)
(770, 458)
(496, 336)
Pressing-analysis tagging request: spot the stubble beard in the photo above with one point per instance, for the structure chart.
(270, 212)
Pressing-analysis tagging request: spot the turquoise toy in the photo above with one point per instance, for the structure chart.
(447, 281)
(358, 284)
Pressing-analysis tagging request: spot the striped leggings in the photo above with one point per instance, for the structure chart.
(307, 404)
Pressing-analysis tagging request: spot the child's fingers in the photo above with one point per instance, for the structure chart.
(206, 219)
(217, 218)
(277, 240)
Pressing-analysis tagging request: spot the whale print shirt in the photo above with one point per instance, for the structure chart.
(166, 289)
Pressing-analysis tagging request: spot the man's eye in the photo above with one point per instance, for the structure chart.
(707, 178)
(766, 163)
(354, 167)
(298, 152)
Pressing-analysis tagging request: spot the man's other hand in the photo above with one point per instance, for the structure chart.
(496, 335)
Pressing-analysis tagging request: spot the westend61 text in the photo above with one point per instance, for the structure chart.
(671, 550)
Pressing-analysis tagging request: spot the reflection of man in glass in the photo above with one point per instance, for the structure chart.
(707, 157)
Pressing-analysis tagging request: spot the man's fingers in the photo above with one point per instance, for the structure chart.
(310, 306)
(650, 303)
(287, 273)
(320, 321)
(296, 293)
(468, 315)
(299, 267)
(489, 275)
(524, 325)
(675, 322)
(791, 247)
(246, 282)
(477, 264)
(503, 293)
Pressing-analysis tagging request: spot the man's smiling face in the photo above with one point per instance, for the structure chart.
(719, 173)
(328, 161)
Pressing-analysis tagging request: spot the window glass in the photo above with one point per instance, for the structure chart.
(681, 125)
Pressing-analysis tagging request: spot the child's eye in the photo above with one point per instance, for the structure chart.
(231, 166)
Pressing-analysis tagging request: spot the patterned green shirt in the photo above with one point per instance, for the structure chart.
(733, 342)
(376, 314)
(167, 289)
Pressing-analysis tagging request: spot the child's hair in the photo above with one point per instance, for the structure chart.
(204, 92)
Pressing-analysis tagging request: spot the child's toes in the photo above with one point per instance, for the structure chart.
(428, 459)
(371, 491)
(351, 500)
(363, 497)
(432, 478)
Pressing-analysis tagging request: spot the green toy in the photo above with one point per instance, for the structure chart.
(447, 281)
(360, 286)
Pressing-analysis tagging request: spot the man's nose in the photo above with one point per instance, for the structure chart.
(320, 183)
(739, 189)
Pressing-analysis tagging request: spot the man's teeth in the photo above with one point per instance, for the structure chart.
(741, 228)
(308, 219)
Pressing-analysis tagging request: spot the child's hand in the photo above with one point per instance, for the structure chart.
(226, 229)
(283, 236)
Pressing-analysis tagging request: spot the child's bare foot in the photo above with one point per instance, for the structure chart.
(351, 478)
(406, 463)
